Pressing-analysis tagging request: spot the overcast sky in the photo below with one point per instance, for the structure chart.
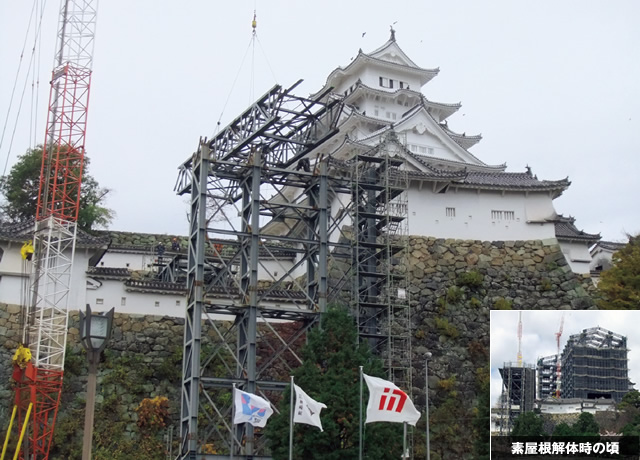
(538, 336)
(553, 85)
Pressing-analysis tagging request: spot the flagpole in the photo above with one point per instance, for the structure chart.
(291, 423)
(404, 441)
(233, 417)
(360, 445)
(426, 399)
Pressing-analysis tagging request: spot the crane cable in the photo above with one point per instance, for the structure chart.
(251, 46)
(37, 41)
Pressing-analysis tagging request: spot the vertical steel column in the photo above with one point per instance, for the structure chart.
(250, 234)
(317, 252)
(323, 224)
(193, 313)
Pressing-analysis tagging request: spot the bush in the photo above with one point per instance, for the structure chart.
(454, 294)
(502, 304)
(472, 279)
(447, 328)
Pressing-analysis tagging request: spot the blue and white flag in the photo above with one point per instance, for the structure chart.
(251, 409)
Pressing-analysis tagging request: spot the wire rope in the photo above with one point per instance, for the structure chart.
(233, 85)
(15, 83)
(251, 46)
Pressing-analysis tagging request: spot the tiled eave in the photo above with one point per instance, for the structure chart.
(23, 231)
(567, 231)
(427, 161)
(610, 245)
(360, 89)
(109, 273)
(157, 287)
(464, 141)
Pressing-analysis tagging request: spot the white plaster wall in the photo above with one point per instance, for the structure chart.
(11, 277)
(429, 140)
(577, 255)
(111, 293)
(572, 408)
(132, 261)
(271, 270)
(371, 74)
(11, 273)
(473, 220)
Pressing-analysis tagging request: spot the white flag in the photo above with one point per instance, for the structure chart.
(388, 403)
(251, 409)
(307, 410)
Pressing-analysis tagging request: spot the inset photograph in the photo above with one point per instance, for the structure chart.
(565, 373)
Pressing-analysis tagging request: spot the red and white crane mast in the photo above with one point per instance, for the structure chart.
(45, 327)
(558, 364)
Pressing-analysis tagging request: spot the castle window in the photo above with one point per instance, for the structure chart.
(99, 301)
(503, 215)
(123, 301)
(157, 303)
(430, 150)
(450, 212)
(386, 82)
(422, 149)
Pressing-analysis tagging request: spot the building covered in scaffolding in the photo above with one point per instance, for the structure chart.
(518, 393)
(594, 365)
(547, 373)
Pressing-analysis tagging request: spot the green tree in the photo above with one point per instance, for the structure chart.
(330, 374)
(619, 286)
(586, 425)
(631, 399)
(632, 428)
(563, 429)
(21, 187)
(528, 424)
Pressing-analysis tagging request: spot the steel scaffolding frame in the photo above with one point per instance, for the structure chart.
(594, 365)
(381, 290)
(518, 392)
(260, 189)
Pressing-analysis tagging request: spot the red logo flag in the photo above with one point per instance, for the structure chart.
(388, 403)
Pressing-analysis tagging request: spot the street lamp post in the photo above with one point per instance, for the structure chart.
(426, 398)
(95, 329)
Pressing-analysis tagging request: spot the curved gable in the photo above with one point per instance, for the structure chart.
(420, 129)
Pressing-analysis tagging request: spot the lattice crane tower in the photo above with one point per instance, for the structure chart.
(46, 317)
(519, 339)
(558, 364)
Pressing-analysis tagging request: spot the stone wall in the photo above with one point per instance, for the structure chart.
(455, 283)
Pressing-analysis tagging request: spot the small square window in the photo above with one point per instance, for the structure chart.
(123, 301)
(450, 212)
(99, 301)
(157, 303)
(127, 264)
(177, 303)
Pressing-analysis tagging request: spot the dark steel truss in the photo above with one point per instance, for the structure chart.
(259, 252)
(276, 227)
